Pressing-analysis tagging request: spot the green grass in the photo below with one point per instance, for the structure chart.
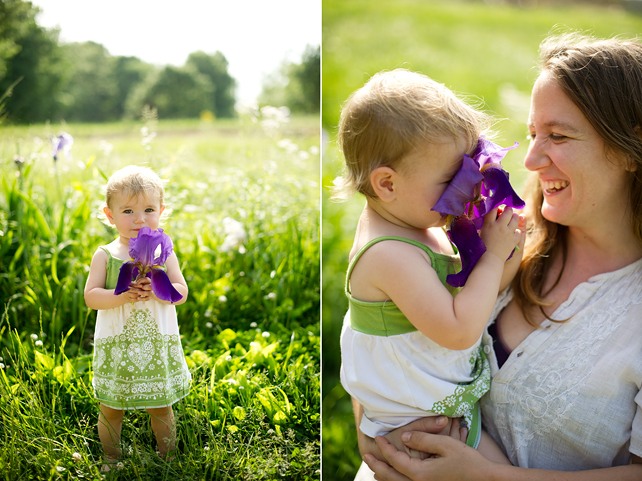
(487, 53)
(250, 328)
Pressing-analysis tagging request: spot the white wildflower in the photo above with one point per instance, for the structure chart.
(222, 299)
(34, 337)
(252, 324)
(266, 334)
(208, 325)
(272, 274)
(38, 343)
(228, 358)
(76, 457)
(120, 465)
(60, 469)
(1, 366)
(271, 296)
(235, 234)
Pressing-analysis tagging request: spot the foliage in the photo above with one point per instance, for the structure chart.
(250, 327)
(485, 51)
(30, 53)
(296, 85)
(214, 67)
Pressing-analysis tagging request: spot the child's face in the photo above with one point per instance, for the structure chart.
(130, 214)
(423, 176)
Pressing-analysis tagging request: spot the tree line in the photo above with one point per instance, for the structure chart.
(82, 82)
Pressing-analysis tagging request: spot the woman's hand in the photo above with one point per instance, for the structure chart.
(453, 459)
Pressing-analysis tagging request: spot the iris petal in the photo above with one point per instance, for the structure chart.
(488, 152)
(124, 277)
(464, 235)
(461, 189)
(162, 286)
(144, 245)
(498, 190)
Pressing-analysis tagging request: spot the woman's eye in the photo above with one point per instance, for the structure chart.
(555, 137)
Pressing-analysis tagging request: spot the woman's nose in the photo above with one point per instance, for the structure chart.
(536, 157)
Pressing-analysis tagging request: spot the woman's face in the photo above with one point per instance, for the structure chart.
(582, 187)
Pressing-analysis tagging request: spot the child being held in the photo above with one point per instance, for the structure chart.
(138, 357)
(411, 344)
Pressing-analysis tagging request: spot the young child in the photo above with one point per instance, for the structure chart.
(138, 357)
(411, 344)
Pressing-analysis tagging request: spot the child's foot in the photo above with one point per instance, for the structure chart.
(109, 462)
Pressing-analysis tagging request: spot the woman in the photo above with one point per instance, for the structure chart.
(568, 397)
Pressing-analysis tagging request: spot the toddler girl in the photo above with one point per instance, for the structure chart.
(138, 357)
(411, 344)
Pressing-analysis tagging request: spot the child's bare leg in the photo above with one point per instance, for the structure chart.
(110, 423)
(490, 450)
(164, 428)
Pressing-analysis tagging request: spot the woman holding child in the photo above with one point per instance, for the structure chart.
(567, 335)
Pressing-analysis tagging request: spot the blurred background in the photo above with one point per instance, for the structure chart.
(485, 51)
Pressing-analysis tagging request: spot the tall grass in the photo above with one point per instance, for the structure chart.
(250, 326)
(485, 51)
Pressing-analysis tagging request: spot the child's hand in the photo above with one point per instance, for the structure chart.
(132, 295)
(145, 292)
(501, 232)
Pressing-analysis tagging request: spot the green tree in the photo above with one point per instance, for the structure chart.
(92, 89)
(176, 92)
(296, 85)
(214, 67)
(30, 53)
(129, 72)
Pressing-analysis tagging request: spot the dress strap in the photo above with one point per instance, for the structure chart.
(354, 260)
(106, 250)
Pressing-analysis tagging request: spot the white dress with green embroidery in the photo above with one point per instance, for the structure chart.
(138, 357)
(397, 373)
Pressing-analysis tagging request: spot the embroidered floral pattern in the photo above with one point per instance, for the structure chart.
(462, 401)
(140, 367)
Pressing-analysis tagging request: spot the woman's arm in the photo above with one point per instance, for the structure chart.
(457, 462)
(434, 424)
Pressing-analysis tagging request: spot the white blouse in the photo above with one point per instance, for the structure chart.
(569, 396)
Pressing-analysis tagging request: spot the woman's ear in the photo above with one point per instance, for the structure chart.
(383, 181)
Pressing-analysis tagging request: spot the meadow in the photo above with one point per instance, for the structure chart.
(484, 51)
(250, 327)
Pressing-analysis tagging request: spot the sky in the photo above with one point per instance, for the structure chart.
(255, 36)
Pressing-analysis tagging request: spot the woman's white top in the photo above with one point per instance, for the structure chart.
(569, 396)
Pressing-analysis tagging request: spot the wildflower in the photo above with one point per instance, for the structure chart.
(206, 448)
(272, 274)
(266, 334)
(1, 366)
(60, 469)
(34, 337)
(222, 299)
(235, 234)
(252, 324)
(208, 325)
(120, 465)
(228, 358)
(19, 161)
(479, 186)
(62, 142)
(271, 296)
(38, 343)
(77, 457)
(142, 249)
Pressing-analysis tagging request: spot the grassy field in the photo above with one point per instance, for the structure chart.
(250, 328)
(487, 53)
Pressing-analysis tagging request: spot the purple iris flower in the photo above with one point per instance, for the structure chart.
(143, 264)
(479, 186)
(62, 142)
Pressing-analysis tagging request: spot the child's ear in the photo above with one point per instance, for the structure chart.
(162, 208)
(383, 181)
(107, 212)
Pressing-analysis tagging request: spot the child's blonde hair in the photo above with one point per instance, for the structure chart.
(391, 114)
(133, 181)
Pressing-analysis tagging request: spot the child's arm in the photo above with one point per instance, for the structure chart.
(96, 296)
(175, 277)
(402, 273)
(512, 264)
